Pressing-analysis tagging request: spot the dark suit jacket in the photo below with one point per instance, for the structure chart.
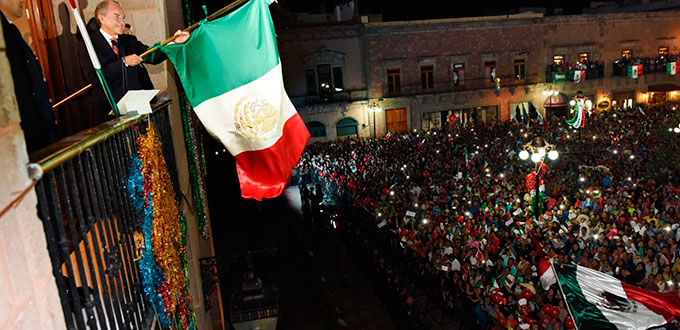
(33, 98)
(119, 77)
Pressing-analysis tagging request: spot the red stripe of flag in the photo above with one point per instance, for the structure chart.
(264, 173)
(666, 304)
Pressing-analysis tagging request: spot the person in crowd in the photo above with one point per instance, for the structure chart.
(467, 230)
(35, 108)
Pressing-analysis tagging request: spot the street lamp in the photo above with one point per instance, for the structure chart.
(549, 93)
(536, 150)
(373, 107)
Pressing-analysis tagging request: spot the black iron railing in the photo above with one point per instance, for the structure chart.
(343, 96)
(594, 71)
(649, 64)
(89, 223)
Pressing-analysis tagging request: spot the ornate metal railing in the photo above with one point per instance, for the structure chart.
(466, 84)
(89, 222)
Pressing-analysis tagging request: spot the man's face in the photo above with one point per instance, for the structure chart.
(13, 9)
(113, 21)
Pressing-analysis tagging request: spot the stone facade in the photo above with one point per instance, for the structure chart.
(29, 297)
(476, 43)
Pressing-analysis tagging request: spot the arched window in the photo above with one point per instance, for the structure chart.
(316, 129)
(347, 127)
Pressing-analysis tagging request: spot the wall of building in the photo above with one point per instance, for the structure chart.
(28, 292)
(303, 48)
(407, 45)
(605, 36)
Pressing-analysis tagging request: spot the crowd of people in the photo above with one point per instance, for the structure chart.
(457, 199)
(594, 69)
(649, 64)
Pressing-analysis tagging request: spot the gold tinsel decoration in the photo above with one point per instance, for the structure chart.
(166, 239)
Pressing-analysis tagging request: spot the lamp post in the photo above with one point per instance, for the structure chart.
(549, 93)
(536, 150)
(373, 108)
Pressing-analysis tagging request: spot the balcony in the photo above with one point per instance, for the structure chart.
(337, 97)
(469, 84)
(649, 65)
(92, 228)
(594, 70)
(343, 96)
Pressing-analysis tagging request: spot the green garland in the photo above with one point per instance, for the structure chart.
(185, 267)
(194, 157)
(187, 12)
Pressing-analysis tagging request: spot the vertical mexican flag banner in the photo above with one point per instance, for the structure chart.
(672, 68)
(634, 71)
(600, 301)
(231, 72)
(559, 76)
(577, 76)
(468, 157)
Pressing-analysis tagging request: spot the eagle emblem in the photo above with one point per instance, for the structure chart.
(255, 119)
(611, 301)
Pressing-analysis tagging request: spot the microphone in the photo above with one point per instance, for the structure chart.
(124, 69)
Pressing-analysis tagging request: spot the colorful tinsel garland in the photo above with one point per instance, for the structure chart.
(152, 276)
(163, 259)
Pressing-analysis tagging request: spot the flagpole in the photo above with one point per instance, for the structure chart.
(93, 57)
(148, 51)
(559, 284)
(72, 96)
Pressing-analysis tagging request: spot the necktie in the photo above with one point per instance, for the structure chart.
(114, 46)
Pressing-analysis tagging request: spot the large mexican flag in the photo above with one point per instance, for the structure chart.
(672, 68)
(600, 301)
(231, 72)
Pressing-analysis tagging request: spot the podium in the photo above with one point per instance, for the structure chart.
(136, 102)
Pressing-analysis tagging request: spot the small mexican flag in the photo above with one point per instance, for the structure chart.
(559, 76)
(634, 71)
(231, 72)
(672, 68)
(600, 301)
(577, 76)
(546, 274)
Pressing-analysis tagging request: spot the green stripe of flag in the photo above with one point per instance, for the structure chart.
(226, 53)
(587, 315)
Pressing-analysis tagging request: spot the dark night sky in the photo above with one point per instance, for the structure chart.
(396, 10)
(428, 9)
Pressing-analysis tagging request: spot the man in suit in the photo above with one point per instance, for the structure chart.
(118, 54)
(37, 117)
